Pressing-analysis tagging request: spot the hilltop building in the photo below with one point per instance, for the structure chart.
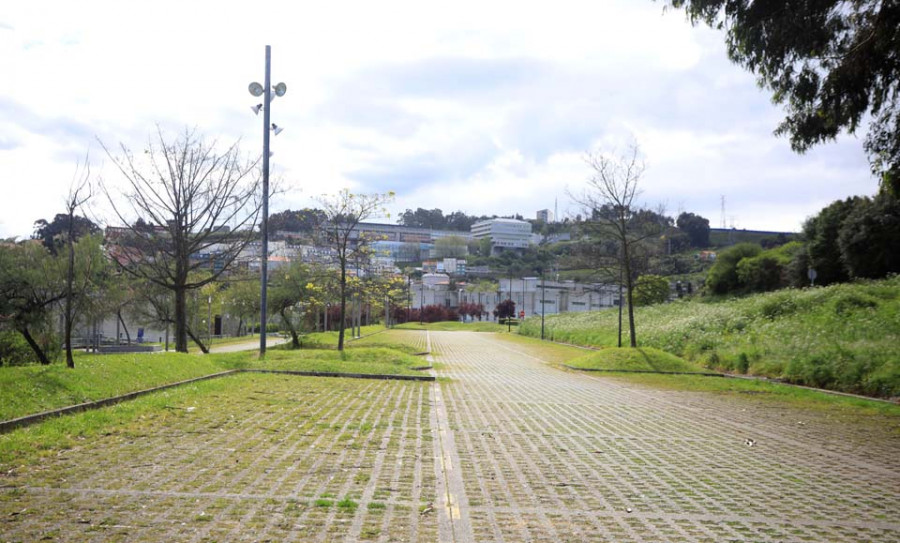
(505, 234)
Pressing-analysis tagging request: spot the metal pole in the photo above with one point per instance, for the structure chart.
(209, 320)
(509, 317)
(264, 262)
(542, 305)
(408, 298)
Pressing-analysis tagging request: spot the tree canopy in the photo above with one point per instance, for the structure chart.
(53, 233)
(833, 63)
(436, 220)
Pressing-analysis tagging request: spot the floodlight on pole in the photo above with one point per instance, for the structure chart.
(277, 129)
(268, 92)
(256, 109)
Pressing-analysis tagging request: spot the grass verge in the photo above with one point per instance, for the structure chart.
(26, 390)
(646, 359)
(842, 337)
(763, 390)
(454, 326)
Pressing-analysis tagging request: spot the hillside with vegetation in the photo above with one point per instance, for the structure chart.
(843, 337)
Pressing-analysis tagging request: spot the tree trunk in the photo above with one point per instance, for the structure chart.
(629, 290)
(199, 343)
(181, 329)
(343, 312)
(70, 279)
(295, 341)
(35, 347)
(125, 326)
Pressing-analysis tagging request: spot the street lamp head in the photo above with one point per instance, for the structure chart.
(277, 129)
(256, 109)
(256, 89)
(280, 89)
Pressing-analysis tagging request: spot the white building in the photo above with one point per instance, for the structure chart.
(505, 234)
(544, 215)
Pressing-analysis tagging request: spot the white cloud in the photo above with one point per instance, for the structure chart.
(483, 107)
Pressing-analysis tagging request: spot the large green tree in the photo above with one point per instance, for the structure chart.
(869, 238)
(821, 232)
(834, 64)
(32, 282)
(696, 227)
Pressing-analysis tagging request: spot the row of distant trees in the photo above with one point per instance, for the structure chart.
(856, 238)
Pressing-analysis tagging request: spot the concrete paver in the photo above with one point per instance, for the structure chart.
(548, 455)
(503, 448)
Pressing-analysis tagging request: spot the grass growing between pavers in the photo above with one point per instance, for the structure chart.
(216, 459)
(27, 390)
(645, 359)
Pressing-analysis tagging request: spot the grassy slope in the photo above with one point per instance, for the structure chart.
(641, 359)
(844, 337)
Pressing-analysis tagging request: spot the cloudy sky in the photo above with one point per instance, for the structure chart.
(485, 107)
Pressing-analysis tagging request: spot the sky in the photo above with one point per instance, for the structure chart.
(484, 107)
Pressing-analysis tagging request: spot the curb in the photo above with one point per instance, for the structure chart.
(27, 420)
(647, 371)
(348, 375)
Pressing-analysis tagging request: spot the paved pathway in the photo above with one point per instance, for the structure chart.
(505, 448)
(538, 454)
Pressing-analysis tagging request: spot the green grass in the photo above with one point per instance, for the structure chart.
(454, 326)
(369, 360)
(641, 359)
(843, 337)
(31, 389)
(329, 340)
(764, 390)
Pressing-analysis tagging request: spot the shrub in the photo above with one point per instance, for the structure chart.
(723, 276)
(650, 289)
(14, 350)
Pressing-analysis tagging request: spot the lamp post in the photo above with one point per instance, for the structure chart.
(266, 91)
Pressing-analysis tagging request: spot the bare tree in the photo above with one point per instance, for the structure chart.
(79, 193)
(343, 213)
(612, 214)
(200, 206)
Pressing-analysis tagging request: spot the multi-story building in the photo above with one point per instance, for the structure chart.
(505, 234)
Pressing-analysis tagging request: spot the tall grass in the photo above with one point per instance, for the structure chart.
(843, 337)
